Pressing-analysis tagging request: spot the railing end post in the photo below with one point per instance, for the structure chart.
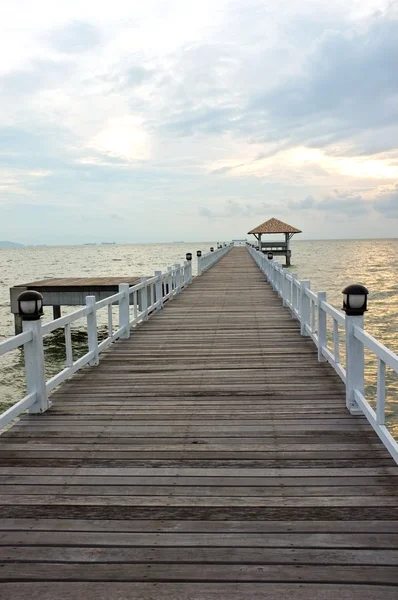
(124, 309)
(34, 367)
(355, 363)
(92, 333)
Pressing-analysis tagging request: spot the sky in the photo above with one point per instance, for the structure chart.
(178, 120)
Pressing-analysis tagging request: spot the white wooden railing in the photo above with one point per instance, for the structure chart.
(210, 258)
(312, 310)
(135, 303)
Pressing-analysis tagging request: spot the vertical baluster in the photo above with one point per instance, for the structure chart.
(336, 341)
(68, 346)
(92, 330)
(294, 294)
(152, 295)
(313, 308)
(381, 392)
(135, 305)
(110, 320)
(322, 326)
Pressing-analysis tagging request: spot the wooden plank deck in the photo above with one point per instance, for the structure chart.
(210, 456)
(71, 284)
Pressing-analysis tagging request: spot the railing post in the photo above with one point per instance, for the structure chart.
(186, 273)
(304, 306)
(124, 310)
(190, 272)
(170, 282)
(92, 330)
(158, 289)
(322, 326)
(199, 258)
(355, 362)
(144, 299)
(178, 278)
(34, 367)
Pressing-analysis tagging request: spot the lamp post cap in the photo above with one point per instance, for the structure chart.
(355, 289)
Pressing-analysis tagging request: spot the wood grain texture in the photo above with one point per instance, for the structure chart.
(208, 456)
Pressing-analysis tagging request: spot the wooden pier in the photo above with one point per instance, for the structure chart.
(209, 456)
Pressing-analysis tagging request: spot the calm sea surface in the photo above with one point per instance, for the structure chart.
(330, 265)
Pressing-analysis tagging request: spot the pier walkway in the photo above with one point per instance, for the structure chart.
(209, 456)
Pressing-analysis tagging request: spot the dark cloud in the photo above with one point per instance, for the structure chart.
(345, 91)
(341, 203)
(387, 203)
(348, 85)
(74, 38)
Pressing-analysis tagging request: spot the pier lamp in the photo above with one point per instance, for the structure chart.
(212, 249)
(188, 256)
(198, 253)
(30, 305)
(270, 255)
(355, 299)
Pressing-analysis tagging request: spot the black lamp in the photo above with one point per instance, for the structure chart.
(198, 253)
(30, 305)
(188, 256)
(212, 249)
(355, 299)
(270, 255)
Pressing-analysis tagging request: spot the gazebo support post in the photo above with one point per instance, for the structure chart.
(288, 253)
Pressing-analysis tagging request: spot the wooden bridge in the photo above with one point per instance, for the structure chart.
(208, 456)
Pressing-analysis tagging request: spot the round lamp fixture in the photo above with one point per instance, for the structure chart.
(30, 305)
(188, 256)
(355, 299)
(212, 249)
(198, 253)
(270, 256)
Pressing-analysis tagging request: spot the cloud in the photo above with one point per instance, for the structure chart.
(75, 37)
(337, 202)
(348, 84)
(387, 203)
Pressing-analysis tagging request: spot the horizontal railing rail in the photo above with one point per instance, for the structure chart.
(312, 311)
(136, 304)
(210, 258)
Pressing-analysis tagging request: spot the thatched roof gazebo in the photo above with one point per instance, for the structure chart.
(274, 226)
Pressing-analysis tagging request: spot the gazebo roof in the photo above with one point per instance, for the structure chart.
(275, 226)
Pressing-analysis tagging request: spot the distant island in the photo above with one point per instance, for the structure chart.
(10, 245)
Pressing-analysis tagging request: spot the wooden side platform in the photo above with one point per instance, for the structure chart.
(210, 456)
(68, 291)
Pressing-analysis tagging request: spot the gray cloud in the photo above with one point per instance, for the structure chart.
(39, 75)
(387, 203)
(345, 90)
(74, 38)
(341, 203)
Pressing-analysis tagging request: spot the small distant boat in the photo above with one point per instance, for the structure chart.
(107, 243)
